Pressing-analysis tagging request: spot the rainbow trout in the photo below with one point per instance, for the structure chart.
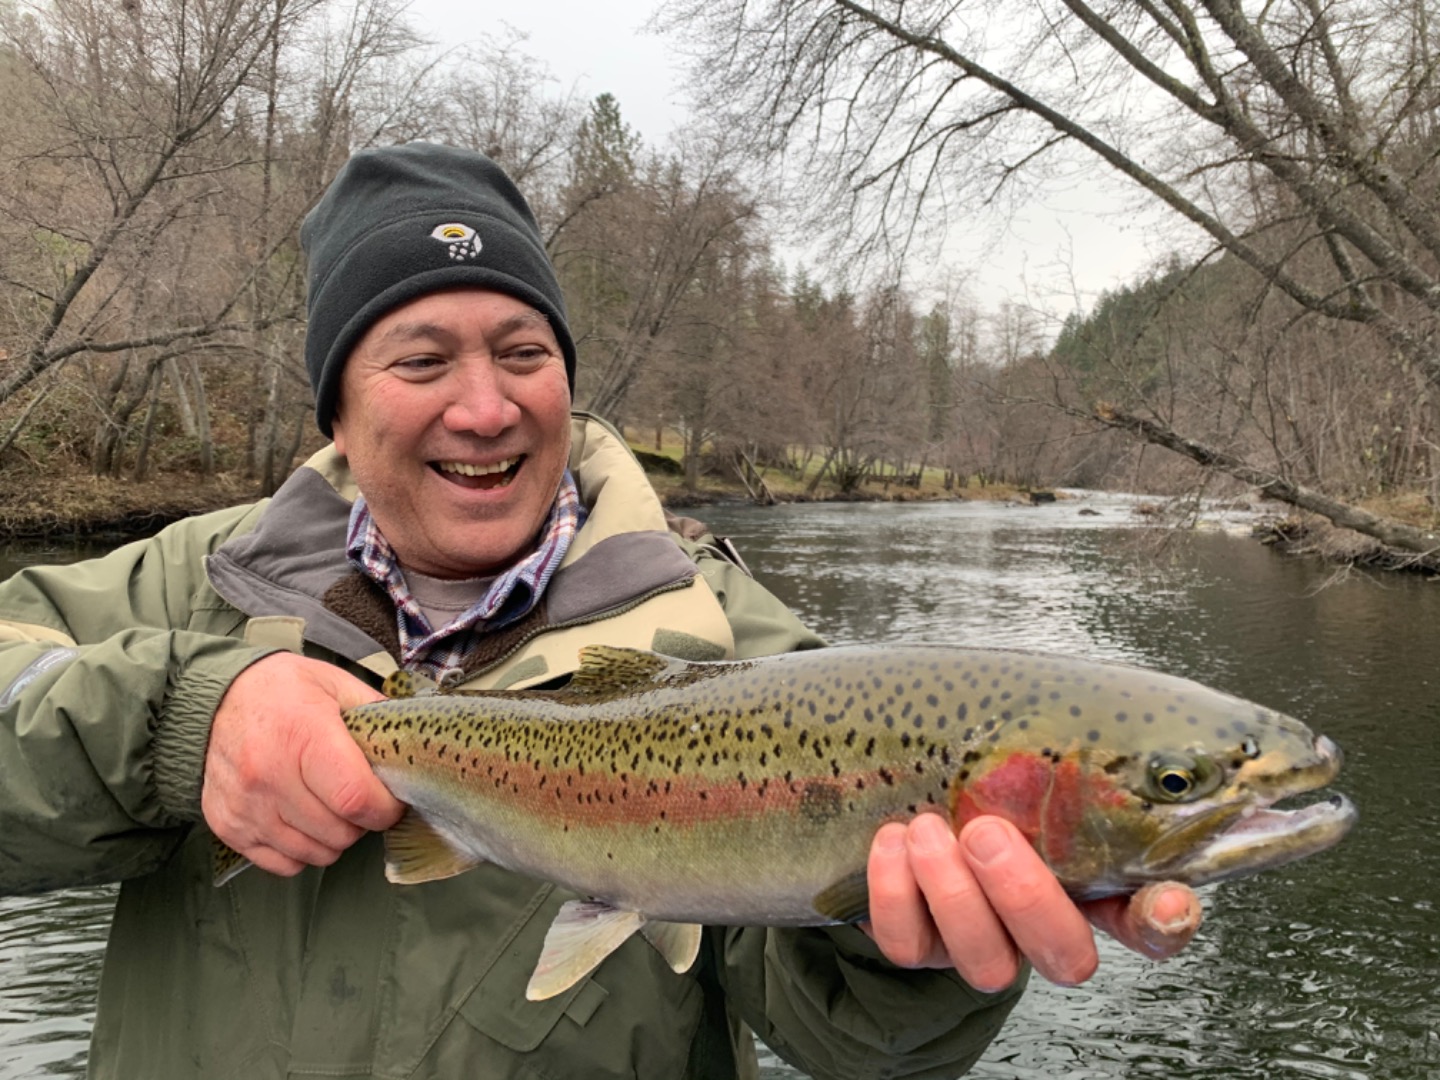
(673, 794)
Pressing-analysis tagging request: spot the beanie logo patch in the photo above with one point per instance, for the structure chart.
(460, 239)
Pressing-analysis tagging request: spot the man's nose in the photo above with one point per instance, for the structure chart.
(482, 403)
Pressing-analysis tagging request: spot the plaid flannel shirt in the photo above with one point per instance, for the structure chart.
(513, 594)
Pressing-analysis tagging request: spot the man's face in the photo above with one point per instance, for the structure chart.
(454, 414)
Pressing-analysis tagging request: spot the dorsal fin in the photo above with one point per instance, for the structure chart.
(404, 684)
(609, 668)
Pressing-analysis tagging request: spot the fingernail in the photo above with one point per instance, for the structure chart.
(891, 841)
(986, 842)
(928, 834)
(1170, 910)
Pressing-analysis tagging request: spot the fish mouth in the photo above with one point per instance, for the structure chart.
(1248, 833)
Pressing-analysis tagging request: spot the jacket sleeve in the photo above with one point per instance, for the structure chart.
(826, 1000)
(105, 708)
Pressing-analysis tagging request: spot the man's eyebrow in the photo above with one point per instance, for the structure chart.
(410, 331)
(521, 320)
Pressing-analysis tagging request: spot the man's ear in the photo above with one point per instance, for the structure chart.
(337, 432)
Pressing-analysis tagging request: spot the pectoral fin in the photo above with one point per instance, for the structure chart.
(847, 900)
(678, 943)
(416, 853)
(583, 934)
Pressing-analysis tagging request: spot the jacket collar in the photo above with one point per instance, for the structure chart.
(293, 562)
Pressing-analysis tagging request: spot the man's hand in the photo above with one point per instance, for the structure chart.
(983, 901)
(285, 784)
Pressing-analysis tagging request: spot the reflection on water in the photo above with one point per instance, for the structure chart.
(50, 949)
(1327, 969)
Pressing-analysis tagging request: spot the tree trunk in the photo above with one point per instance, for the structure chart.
(1388, 531)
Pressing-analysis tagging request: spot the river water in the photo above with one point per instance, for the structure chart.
(1327, 969)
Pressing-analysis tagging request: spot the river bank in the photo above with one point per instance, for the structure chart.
(78, 506)
(36, 506)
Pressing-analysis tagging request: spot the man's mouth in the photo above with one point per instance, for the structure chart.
(480, 477)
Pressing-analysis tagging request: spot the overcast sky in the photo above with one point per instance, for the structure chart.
(1089, 237)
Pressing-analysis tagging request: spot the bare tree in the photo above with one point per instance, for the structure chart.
(632, 249)
(1276, 131)
(154, 168)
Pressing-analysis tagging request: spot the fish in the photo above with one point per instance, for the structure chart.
(671, 794)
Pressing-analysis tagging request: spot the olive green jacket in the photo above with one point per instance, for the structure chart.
(110, 672)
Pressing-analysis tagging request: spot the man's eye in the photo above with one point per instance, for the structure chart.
(417, 363)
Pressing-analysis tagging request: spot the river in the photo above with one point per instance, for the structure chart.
(1329, 968)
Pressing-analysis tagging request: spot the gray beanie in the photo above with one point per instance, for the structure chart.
(402, 221)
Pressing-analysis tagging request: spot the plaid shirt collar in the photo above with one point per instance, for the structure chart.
(510, 596)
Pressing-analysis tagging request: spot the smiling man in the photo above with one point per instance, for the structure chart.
(464, 522)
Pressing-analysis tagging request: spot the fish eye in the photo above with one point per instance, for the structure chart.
(1250, 746)
(1174, 782)
(1178, 777)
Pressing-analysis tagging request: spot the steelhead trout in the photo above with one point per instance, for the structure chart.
(673, 794)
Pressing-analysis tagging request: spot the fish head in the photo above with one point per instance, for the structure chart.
(1175, 782)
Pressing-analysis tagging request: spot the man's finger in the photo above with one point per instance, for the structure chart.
(1044, 922)
(272, 861)
(976, 940)
(335, 770)
(312, 818)
(900, 922)
(1158, 921)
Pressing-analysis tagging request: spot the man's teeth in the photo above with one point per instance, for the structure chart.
(478, 470)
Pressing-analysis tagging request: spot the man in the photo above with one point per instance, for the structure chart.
(462, 521)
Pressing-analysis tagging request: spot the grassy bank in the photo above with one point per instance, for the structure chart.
(54, 503)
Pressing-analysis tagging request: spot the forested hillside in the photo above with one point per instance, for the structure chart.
(157, 157)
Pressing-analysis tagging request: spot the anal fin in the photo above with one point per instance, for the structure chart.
(583, 934)
(416, 853)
